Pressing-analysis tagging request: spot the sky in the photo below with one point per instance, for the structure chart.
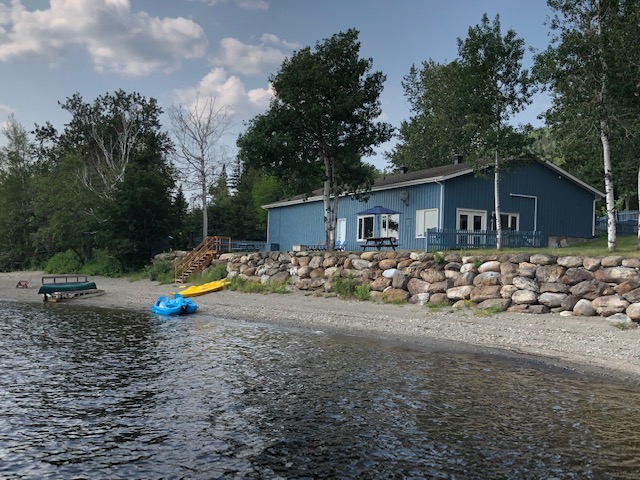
(172, 50)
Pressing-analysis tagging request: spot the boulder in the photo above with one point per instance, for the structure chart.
(419, 299)
(591, 263)
(519, 258)
(526, 269)
(399, 280)
(438, 298)
(619, 318)
(625, 287)
(441, 287)
(617, 274)
(280, 277)
(464, 279)
(459, 293)
(380, 284)
(609, 305)
(554, 287)
(542, 259)
(416, 286)
(468, 268)
(525, 283)
(589, 289)
(480, 294)
(573, 261)
(526, 297)
(633, 311)
(432, 275)
(387, 263)
(507, 291)
(631, 262)
(611, 261)
(395, 295)
(360, 263)
(487, 279)
(574, 276)
(390, 272)
(491, 266)
(455, 266)
(552, 300)
(550, 273)
(633, 296)
(501, 303)
(569, 302)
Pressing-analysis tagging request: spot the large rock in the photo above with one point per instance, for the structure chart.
(459, 293)
(395, 295)
(589, 289)
(554, 287)
(399, 280)
(468, 268)
(419, 299)
(552, 300)
(360, 264)
(491, 266)
(611, 261)
(455, 266)
(486, 279)
(574, 276)
(368, 256)
(591, 263)
(542, 259)
(617, 274)
(416, 286)
(524, 283)
(584, 308)
(507, 272)
(631, 262)
(507, 291)
(526, 269)
(464, 279)
(280, 277)
(633, 296)
(480, 294)
(441, 287)
(569, 302)
(380, 284)
(387, 263)
(633, 312)
(391, 272)
(609, 305)
(432, 275)
(550, 273)
(501, 303)
(524, 297)
(572, 261)
(520, 258)
(304, 271)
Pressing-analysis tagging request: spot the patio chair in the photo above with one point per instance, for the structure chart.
(341, 245)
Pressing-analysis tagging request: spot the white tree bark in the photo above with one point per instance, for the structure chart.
(198, 130)
(496, 194)
(608, 188)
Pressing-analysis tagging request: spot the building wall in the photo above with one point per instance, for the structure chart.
(563, 208)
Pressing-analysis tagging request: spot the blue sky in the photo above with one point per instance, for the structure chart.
(171, 49)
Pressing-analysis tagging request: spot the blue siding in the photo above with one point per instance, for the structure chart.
(563, 208)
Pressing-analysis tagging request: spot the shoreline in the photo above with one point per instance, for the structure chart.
(590, 345)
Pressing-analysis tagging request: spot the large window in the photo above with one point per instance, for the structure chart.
(390, 225)
(426, 219)
(509, 221)
(365, 227)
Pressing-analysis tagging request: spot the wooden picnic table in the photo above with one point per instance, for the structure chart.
(380, 242)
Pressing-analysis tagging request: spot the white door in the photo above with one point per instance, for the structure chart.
(341, 230)
(471, 221)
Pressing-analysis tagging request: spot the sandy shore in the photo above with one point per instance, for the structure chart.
(581, 344)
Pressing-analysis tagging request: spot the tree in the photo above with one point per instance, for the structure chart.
(466, 106)
(591, 68)
(501, 88)
(17, 166)
(320, 124)
(199, 131)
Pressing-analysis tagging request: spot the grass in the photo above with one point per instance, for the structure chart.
(239, 284)
(487, 312)
(437, 306)
(626, 246)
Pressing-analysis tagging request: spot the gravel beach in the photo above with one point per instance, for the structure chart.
(589, 345)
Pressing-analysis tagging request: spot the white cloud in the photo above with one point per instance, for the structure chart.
(243, 4)
(118, 40)
(248, 59)
(228, 90)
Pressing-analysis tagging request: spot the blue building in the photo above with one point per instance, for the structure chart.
(448, 207)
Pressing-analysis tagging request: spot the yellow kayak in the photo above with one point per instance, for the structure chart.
(204, 288)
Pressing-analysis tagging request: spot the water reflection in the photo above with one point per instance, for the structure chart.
(110, 394)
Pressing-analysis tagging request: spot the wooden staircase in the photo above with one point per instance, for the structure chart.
(201, 257)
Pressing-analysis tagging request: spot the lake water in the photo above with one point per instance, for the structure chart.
(96, 393)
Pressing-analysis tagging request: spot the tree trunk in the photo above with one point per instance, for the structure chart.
(205, 217)
(496, 194)
(638, 245)
(608, 188)
(326, 200)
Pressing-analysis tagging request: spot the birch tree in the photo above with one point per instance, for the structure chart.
(199, 131)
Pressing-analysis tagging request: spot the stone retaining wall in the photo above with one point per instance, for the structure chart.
(527, 283)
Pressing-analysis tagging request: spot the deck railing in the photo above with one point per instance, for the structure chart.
(452, 239)
(201, 256)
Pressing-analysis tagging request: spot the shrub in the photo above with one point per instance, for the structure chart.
(102, 264)
(363, 293)
(239, 284)
(161, 272)
(345, 286)
(64, 262)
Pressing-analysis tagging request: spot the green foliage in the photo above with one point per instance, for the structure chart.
(161, 271)
(64, 262)
(438, 257)
(102, 264)
(437, 306)
(321, 123)
(487, 312)
(363, 293)
(239, 284)
(211, 274)
(345, 287)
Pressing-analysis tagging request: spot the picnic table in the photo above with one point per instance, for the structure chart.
(380, 242)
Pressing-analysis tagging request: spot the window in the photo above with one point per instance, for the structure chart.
(510, 221)
(365, 227)
(426, 219)
(390, 225)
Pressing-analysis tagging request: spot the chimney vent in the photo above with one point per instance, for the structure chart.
(457, 158)
(403, 169)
